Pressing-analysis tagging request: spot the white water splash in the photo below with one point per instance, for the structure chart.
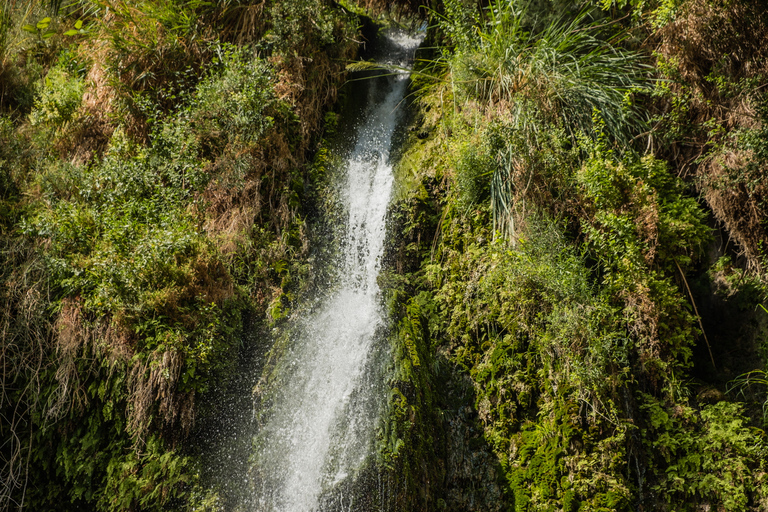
(320, 431)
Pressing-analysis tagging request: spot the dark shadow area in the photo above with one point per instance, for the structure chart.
(445, 462)
(736, 328)
(224, 436)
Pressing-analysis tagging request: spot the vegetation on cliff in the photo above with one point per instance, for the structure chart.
(154, 162)
(578, 184)
(574, 278)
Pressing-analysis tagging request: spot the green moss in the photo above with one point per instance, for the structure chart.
(560, 324)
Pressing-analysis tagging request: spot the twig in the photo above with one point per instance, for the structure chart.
(696, 311)
(438, 232)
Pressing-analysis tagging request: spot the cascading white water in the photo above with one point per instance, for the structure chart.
(320, 427)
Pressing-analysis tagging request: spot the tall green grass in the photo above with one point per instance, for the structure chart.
(539, 77)
(563, 72)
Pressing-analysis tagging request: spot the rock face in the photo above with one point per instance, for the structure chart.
(472, 469)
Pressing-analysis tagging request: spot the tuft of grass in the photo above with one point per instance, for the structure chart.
(542, 85)
(563, 72)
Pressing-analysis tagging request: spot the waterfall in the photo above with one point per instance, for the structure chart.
(319, 430)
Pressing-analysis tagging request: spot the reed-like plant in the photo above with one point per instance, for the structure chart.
(5, 21)
(12, 17)
(569, 77)
(563, 72)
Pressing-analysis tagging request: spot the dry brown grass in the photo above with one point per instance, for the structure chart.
(90, 136)
(310, 84)
(723, 38)
(642, 318)
(738, 209)
(81, 347)
(243, 24)
(135, 53)
(647, 222)
(153, 390)
(261, 199)
(70, 338)
(26, 337)
(718, 35)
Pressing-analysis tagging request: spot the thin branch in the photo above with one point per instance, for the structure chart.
(696, 311)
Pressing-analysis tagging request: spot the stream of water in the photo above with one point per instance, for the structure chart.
(320, 430)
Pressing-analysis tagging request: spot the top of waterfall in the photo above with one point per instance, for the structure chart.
(399, 47)
(405, 39)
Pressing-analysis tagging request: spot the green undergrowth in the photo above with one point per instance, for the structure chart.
(570, 336)
(552, 264)
(154, 183)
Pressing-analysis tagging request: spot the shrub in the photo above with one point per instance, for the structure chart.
(232, 106)
(709, 458)
(126, 244)
(58, 99)
(643, 230)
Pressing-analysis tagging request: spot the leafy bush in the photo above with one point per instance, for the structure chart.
(232, 105)
(644, 211)
(708, 458)
(58, 99)
(125, 243)
(474, 166)
(643, 229)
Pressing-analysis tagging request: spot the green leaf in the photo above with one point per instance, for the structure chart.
(29, 28)
(71, 32)
(48, 34)
(79, 24)
(43, 23)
